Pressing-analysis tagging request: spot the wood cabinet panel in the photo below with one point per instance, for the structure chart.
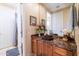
(56, 54)
(61, 51)
(40, 47)
(49, 50)
(45, 49)
(34, 46)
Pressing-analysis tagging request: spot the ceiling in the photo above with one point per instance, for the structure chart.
(52, 7)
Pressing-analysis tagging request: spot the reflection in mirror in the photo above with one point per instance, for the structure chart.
(60, 22)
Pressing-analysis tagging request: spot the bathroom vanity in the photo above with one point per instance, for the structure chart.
(52, 47)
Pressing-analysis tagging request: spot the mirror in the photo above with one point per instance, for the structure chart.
(61, 21)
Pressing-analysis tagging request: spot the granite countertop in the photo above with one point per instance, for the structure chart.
(62, 44)
(65, 44)
(71, 46)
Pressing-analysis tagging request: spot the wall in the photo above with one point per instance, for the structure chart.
(42, 13)
(35, 10)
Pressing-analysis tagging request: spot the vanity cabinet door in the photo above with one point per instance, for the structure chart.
(34, 45)
(40, 47)
(49, 50)
(61, 51)
(44, 49)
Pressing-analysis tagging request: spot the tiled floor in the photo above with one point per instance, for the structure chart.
(3, 51)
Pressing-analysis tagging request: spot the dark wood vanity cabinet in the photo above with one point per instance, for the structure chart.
(44, 48)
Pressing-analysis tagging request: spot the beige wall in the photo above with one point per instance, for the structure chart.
(42, 13)
(35, 10)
